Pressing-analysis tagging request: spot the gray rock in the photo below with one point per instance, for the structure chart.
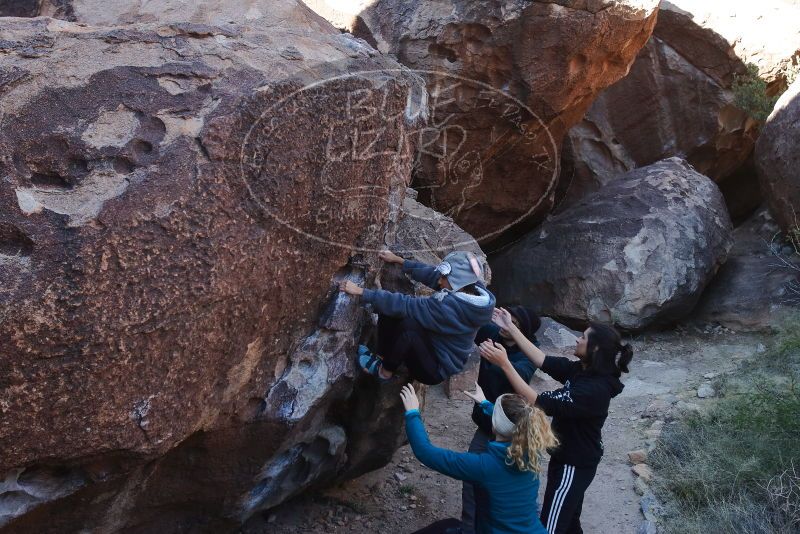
(554, 337)
(778, 158)
(705, 391)
(640, 486)
(651, 508)
(637, 253)
(751, 291)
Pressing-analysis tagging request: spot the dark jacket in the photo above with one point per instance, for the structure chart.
(492, 379)
(513, 494)
(579, 410)
(451, 318)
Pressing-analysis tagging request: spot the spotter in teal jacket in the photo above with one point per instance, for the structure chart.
(513, 494)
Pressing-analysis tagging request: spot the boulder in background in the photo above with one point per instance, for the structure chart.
(638, 253)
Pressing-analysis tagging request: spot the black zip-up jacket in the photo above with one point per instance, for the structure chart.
(579, 410)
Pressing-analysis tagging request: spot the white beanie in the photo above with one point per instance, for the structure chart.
(500, 422)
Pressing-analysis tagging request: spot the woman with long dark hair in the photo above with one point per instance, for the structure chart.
(579, 410)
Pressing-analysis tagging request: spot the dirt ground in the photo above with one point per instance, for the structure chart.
(404, 496)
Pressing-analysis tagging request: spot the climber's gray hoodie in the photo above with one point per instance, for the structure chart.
(452, 318)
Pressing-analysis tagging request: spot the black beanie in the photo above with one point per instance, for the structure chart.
(529, 322)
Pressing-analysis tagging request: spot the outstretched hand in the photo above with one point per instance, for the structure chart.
(390, 257)
(494, 353)
(409, 398)
(502, 318)
(478, 396)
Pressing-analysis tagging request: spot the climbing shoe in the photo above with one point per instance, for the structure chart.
(370, 363)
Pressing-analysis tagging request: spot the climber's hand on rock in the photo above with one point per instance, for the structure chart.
(494, 353)
(350, 288)
(409, 397)
(390, 257)
(478, 396)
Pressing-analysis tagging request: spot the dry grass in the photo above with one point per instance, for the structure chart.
(733, 469)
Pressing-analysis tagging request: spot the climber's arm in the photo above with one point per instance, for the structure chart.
(422, 272)
(426, 310)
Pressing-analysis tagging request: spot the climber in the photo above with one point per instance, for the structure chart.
(579, 410)
(433, 336)
(508, 469)
(494, 383)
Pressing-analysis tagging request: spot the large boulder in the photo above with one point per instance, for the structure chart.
(778, 159)
(678, 100)
(177, 203)
(757, 288)
(637, 253)
(506, 81)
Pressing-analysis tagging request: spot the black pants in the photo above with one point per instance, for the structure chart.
(405, 341)
(445, 526)
(474, 497)
(563, 497)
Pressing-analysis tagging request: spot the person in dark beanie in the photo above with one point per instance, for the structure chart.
(432, 336)
(492, 380)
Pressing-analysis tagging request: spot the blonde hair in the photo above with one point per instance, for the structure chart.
(532, 434)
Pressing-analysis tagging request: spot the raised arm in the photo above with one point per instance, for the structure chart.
(459, 465)
(420, 272)
(502, 318)
(496, 354)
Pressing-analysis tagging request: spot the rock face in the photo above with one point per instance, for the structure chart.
(216, 12)
(429, 236)
(635, 254)
(778, 158)
(506, 81)
(677, 98)
(724, 34)
(752, 290)
(176, 206)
